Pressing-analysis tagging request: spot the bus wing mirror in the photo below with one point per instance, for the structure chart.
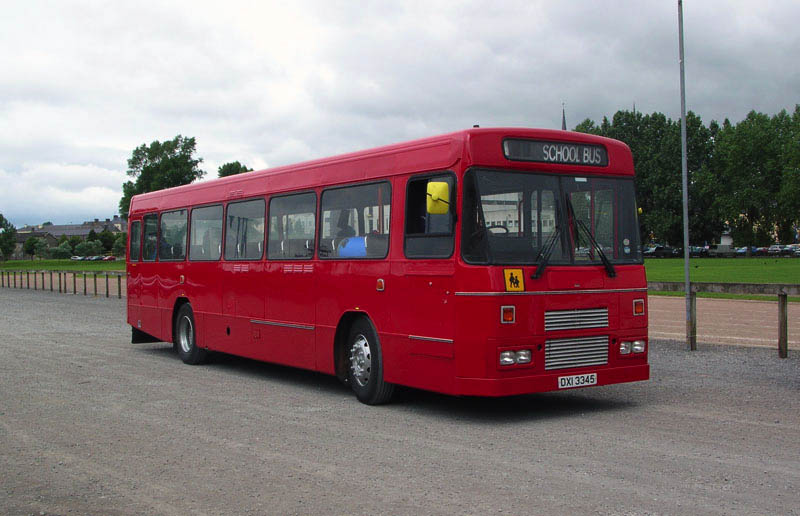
(438, 197)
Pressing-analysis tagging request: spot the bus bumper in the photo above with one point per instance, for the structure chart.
(547, 382)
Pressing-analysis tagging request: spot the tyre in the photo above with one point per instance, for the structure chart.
(365, 364)
(185, 337)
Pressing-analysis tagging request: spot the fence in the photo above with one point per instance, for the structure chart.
(781, 290)
(59, 281)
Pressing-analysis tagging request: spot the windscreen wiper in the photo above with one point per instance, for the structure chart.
(606, 262)
(545, 252)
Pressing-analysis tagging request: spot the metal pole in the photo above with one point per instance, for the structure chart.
(74, 284)
(51, 281)
(690, 342)
(119, 286)
(106, 274)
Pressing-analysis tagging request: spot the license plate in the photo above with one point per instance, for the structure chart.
(578, 380)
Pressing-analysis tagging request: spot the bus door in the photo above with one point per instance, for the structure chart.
(133, 276)
(423, 308)
(149, 313)
(353, 271)
(289, 326)
(242, 286)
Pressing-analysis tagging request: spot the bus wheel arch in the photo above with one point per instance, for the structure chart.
(184, 335)
(359, 359)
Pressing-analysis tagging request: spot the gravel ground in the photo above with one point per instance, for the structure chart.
(91, 424)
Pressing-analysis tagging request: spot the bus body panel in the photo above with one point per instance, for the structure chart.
(439, 320)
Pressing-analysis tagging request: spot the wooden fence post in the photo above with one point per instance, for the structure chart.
(95, 284)
(119, 286)
(783, 326)
(84, 283)
(693, 320)
(106, 274)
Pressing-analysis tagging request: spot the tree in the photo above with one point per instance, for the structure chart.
(158, 166)
(29, 247)
(107, 238)
(40, 249)
(62, 251)
(89, 248)
(119, 245)
(74, 241)
(8, 238)
(232, 168)
(92, 236)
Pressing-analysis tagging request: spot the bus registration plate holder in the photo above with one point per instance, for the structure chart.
(577, 380)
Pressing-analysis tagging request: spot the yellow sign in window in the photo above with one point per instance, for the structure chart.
(515, 281)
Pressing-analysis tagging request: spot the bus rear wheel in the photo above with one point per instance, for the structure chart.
(365, 365)
(185, 337)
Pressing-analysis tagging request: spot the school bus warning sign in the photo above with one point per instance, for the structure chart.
(515, 281)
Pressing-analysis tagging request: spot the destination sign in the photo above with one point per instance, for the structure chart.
(556, 152)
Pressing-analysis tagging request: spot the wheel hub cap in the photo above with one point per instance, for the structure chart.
(360, 360)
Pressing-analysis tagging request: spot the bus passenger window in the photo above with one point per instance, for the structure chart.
(292, 227)
(206, 234)
(135, 238)
(173, 236)
(355, 221)
(244, 230)
(150, 247)
(428, 235)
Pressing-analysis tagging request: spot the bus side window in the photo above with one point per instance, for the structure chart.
(173, 235)
(150, 244)
(244, 233)
(206, 234)
(135, 238)
(428, 235)
(292, 227)
(355, 221)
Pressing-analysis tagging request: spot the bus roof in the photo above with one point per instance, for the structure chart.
(475, 147)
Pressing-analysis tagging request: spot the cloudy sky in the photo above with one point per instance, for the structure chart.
(270, 83)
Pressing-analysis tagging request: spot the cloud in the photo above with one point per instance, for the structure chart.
(270, 83)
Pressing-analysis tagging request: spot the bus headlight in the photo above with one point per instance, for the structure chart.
(625, 347)
(522, 356)
(508, 358)
(638, 346)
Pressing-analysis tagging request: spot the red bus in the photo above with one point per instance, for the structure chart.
(486, 262)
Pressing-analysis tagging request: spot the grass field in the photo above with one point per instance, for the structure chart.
(61, 265)
(726, 270)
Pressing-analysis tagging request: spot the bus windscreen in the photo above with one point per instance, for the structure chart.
(511, 217)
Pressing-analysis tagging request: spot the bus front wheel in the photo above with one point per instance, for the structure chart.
(185, 337)
(365, 365)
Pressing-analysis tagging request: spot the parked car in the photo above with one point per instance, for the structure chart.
(721, 251)
(109, 258)
(742, 251)
(788, 250)
(76, 258)
(774, 250)
(698, 251)
(659, 251)
(762, 251)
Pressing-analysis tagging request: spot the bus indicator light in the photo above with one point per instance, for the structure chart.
(508, 314)
(638, 307)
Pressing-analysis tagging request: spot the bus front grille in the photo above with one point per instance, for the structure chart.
(576, 352)
(576, 319)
